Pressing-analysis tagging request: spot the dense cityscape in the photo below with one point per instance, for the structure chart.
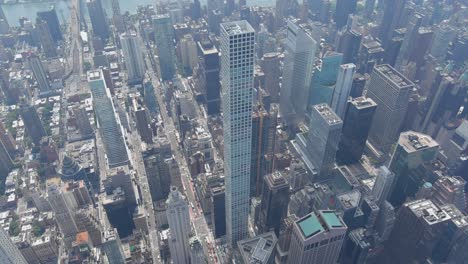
(225, 131)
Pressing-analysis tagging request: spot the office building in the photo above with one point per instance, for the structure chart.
(390, 90)
(51, 18)
(237, 78)
(63, 205)
(39, 73)
(197, 256)
(143, 125)
(108, 124)
(261, 125)
(317, 238)
(33, 123)
(49, 48)
(383, 184)
(165, 46)
(259, 249)
(410, 40)
(412, 151)
(270, 64)
(209, 76)
(218, 211)
(297, 72)
(9, 253)
(342, 89)
(98, 19)
(419, 224)
(450, 190)
(392, 19)
(356, 125)
(343, 9)
(133, 57)
(324, 78)
(188, 53)
(117, 18)
(274, 204)
(179, 224)
(318, 146)
(82, 122)
(157, 172)
(112, 247)
(7, 140)
(6, 163)
(349, 43)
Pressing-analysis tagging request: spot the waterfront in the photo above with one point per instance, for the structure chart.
(14, 11)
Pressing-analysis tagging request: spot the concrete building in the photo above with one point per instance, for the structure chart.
(33, 123)
(112, 247)
(188, 53)
(133, 57)
(450, 190)
(9, 253)
(297, 73)
(237, 78)
(259, 249)
(165, 45)
(108, 123)
(383, 184)
(391, 91)
(342, 89)
(270, 64)
(317, 238)
(143, 126)
(179, 224)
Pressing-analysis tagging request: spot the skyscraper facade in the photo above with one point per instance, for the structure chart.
(356, 126)
(298, 64)
(39, 73)
(317, 238)
(320, 143)
(63, 205)
(271, 69)
(413, 150)
(112, 246)
(383, 184)
(391, 91)
(343, 9)
(49, 48)
(179, 224)
(165, 45)
(260, 128)
(133, 57)
(51, 18)
(98, 19)
(9, 253)
(324, 78)
(108, 124)
(209, 76)
(33, 123)
(237, 78)
(274, 204)
(343, 89)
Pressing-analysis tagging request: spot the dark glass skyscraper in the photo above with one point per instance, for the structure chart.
(209, 76)
(356, 128)
(343, 9)
(50, 17)
(98, 19)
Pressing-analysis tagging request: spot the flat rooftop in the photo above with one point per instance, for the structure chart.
(428, 211)
(413, 141)
(363, 102)
(327, 113)
(237, 27)
(393, 76)
(310, 225)
(315, 223)
(331, 219)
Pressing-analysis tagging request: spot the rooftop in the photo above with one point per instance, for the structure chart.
(237, 27)
(363, 102)
(393, 75)
(331, 219)
(413, 141)
(310, 225)
(327, 113)
(428, 211)
(259, 249)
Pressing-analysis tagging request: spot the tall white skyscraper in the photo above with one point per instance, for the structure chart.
(297, 72)
(179, 224)
(9, 253)
(133, 57)
(342, 90)
(237, 79)
(383, 184)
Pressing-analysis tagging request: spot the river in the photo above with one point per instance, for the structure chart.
(14, 11)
